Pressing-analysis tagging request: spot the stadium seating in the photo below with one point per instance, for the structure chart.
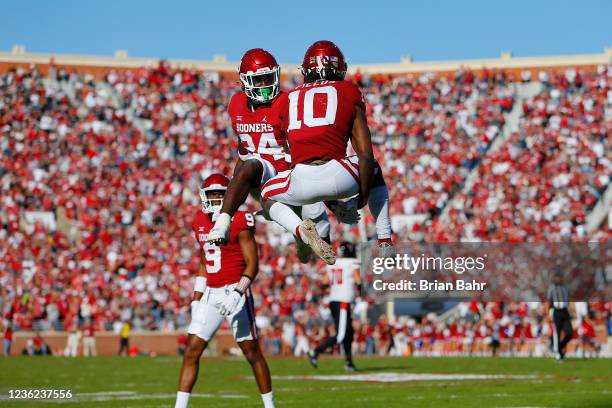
(541, 184)
(118, 164)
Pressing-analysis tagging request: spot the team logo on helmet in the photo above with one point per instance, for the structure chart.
(323, 60)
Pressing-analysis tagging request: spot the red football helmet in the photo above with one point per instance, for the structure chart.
(214, 182)
(323, 60)
(260, 75)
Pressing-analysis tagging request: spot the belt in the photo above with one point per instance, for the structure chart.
(314, 163)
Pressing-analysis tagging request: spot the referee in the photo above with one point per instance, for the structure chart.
(558, 301)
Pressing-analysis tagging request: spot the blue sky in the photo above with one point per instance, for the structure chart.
(374, 31)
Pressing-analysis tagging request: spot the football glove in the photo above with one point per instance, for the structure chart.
(347, 212)
(230, 303)
(220, 232)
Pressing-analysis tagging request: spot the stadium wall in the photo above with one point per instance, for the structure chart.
(107, 343)
(99, 65)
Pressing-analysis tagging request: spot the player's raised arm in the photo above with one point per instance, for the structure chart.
(362, 144)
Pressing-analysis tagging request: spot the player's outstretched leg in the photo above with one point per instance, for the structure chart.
(305, 230)
(316, 212)
(252, 352)
(347, 345)
(247, 176)
(309, 184)
(189, 371)
(378, 202)
(313, 355)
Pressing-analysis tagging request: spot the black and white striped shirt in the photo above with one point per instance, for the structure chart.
(558, 296)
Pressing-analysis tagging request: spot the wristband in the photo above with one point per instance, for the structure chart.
(243, 284)
(200, 284)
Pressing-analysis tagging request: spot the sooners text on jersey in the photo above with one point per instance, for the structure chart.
(224, 264)
(321, 116)
(262, 130)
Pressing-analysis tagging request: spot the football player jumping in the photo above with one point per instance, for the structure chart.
(325, 113)
(259, 118)
(323, 68)
(222, 292)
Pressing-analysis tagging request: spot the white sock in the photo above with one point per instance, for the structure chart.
(317, 213)
(379, 207)
(268, 400)
(223, 221)
(284, 216)
(323, 227)
(182, 399)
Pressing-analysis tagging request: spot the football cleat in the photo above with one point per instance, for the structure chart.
(310, 236)
(312, 358)
(350, 368)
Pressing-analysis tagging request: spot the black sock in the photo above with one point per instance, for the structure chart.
(347, 352)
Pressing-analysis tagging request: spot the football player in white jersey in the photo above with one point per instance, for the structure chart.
(344, 280)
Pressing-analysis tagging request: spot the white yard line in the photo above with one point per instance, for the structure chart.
(122, 395)
(403, 377)
(128, 395)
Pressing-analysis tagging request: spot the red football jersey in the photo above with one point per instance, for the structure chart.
(224, 264)
(262, 130)
(321, 116)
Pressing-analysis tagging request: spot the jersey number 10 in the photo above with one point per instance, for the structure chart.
(308, 103)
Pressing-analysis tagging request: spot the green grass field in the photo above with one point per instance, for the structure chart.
(151, 382)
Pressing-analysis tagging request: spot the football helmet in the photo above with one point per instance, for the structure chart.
(323, 60)
(214, 182)
(260, 75)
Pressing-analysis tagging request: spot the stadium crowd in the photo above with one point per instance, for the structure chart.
(118, 163)
(543, 181)
(431, 132)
